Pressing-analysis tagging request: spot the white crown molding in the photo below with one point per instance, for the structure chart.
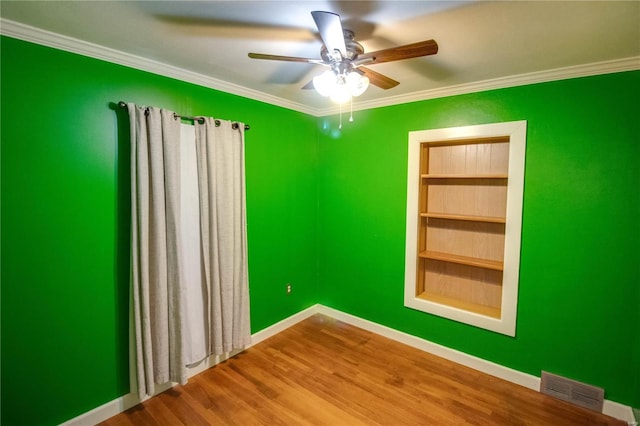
(586, 70)
(70, 44)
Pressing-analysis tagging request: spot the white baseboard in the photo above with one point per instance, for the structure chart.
(619, 411)
(256, 338)
(283, 325)
(117, 406)
(105, 411)
(610, 408)
(458, 357)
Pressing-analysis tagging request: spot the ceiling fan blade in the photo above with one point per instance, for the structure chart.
(414, 50)
(330, 29)
(377, 79)
(308, 86)
(227, 28)
(284, 58)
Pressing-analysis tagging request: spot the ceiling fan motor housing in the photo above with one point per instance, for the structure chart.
(345, 56)
(353, 49)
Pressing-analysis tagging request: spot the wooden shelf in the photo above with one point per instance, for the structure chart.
(465, 217)
(461, 186)
(461, 223)
(461, 304)
(463, 260)
(464, 176)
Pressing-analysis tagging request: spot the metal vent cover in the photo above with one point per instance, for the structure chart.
(577, 393)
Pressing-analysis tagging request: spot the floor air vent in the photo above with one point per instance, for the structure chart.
(577, 393)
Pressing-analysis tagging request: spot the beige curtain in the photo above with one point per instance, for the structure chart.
(166, 330)
(158, 324)
(220, 152)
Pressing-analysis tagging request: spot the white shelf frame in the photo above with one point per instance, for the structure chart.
(517, 133)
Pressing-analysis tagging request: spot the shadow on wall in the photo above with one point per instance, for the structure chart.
(122, 247)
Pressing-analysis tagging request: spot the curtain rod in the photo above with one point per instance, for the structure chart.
(200, 120)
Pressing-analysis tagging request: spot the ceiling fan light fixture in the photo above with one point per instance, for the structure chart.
(341, 92)
(343, 55)
(325, 83)
(358, 84)
(338, 87)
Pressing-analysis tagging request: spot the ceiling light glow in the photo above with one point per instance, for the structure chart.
(340, 87)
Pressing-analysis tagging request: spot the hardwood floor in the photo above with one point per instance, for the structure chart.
(325, 372)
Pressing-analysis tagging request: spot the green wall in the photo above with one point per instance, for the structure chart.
(579, 287)
(326, 212)
(65, 216)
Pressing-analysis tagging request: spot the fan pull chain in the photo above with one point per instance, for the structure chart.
(351, 110)
(340, 126)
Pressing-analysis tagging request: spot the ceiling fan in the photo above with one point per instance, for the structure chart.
(344, 57)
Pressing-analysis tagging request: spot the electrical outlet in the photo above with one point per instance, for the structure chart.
(288, 288)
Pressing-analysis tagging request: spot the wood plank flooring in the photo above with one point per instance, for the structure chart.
(325, 372)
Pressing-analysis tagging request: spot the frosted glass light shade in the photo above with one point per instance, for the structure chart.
(357, 83)
(338, 87)
(325, 83)
(341, 93)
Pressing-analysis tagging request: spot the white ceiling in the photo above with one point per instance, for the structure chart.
(478, 41)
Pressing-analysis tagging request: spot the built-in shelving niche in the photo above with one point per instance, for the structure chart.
(464, 215)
